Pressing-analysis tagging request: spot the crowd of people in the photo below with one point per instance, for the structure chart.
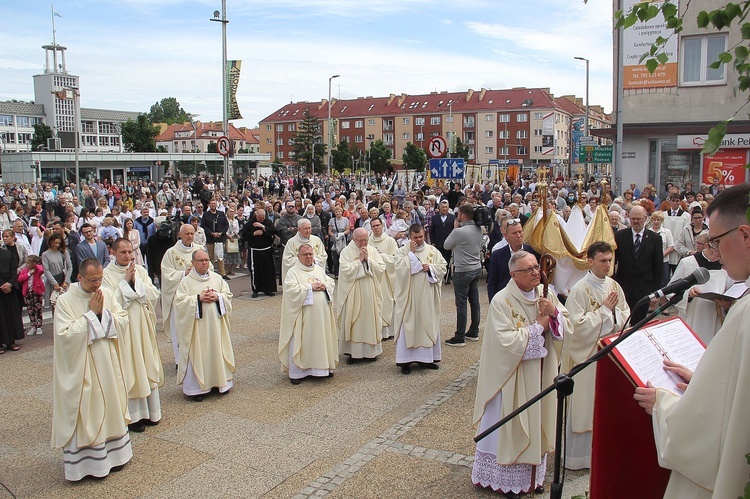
(360, 262)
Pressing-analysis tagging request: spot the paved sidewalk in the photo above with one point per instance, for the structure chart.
(367, 432)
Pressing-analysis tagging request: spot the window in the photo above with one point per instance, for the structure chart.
(290, 141)
(469, 122)
(503, 134)
(538, 116)
(268, 128)
(522, 118)
(268, 141)
(359, 139)
(279, 141)
(291, 154)
(503, 118)
(435, 120)
(406, 121)
(24, 138)
(22, 121)
(521, 134)
(359, 124)
(280, 155)
(419, 121)
(388, 139)
(697, 53)
(489, 117)
(370, 122)
(537, 148)
(522, 150)
(344, 125)
(388, 125)
(419, 136)
(8, 137)
(502, 151)
(489, 150)
(407, 136)
(489, 134)
(537, 132)
(279, 128)
(290, 127)
(6, 119)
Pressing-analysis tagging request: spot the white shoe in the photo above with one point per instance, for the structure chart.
(31, 332)
(39, 331)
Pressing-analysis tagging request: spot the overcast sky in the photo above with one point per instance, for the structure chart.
(131, 53)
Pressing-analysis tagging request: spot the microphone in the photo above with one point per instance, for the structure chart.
(699, 276)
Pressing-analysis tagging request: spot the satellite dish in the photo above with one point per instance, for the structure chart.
(216, 14)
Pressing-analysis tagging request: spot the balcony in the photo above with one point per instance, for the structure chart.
(388, 142)
(387, 127)
(468, 124)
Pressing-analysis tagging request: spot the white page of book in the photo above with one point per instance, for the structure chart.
(646, 361)
(679, 342)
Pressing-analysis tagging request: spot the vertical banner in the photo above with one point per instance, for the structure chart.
(548, 134)
(577, 133)
(637, 41)
(726, 165)
(233, 81)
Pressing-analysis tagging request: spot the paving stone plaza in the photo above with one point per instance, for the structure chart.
(367, 432)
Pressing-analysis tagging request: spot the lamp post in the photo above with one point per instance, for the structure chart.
(224, 124)
(330, 132)
(450, 129)
(586, 118)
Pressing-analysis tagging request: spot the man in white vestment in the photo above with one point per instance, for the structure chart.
(303, 236)
(90, 408)
(703, 435)
(144, 372)
(387, 248)
(520, 357)
(359, 300)
(307, 338)
(597, 307)
(175, 265)
(202, 306)
(420, 269)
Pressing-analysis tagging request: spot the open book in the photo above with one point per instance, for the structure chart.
(735, 292)
(643, 353)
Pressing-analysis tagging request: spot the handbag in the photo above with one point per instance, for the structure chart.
(233, 246)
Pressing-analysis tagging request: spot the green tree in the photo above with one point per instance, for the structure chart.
(168, 111)
(379, 157)
(414, 158)
(212, 147)
(187, 168)
(138, 135)
(309, 151)
(340, 156)
(42, 132)
(460, 150)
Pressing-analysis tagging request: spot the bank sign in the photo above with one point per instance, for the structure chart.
(731, 141)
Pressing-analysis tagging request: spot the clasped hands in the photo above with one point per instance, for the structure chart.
(318, 285)
(547, 311)
(209, 296)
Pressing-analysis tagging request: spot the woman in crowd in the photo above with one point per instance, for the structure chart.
(338, 234)
(134, 237)
(387, 217)
(57, 269)
(317, 230)
(232, 246)
(36, 231)
(18, 251)
(200, 233)
(667, 242)
(31, 280)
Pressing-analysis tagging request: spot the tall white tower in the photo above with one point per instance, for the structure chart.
(58, 91)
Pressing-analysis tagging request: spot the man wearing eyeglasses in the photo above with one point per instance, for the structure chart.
(520, 357)
(498, 273)
(703, 435)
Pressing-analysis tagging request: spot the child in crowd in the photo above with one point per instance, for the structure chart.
(31, 279)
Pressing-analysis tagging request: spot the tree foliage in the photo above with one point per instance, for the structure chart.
(340, 156)
(138, 135)
(461, 150)
(168, 111)
(414, 158)
(718, 19)
(379, 157)
(42, 132)
(309, 151)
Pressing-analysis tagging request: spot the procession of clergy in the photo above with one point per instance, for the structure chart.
(108, 370)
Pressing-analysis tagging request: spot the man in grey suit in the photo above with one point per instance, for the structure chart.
(90, 247)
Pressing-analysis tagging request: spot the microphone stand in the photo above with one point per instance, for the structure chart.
(563, 384)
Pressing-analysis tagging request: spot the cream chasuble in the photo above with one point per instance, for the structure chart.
(89, 393)
(704, 435)
(140, 351)
(359, 302)
(307, 320)
(387, 248)
(204, 330)
(590, 321)
(289, 258)
(417, 295)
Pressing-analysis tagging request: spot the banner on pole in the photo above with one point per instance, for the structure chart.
(233, 81)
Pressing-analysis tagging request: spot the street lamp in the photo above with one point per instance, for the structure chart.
(586, 119)
(224, 124)
(450, 129)
(330, 132)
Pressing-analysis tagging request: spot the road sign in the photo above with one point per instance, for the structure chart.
(595, 154)
(437, 147)
(452, 168)
(223, 146)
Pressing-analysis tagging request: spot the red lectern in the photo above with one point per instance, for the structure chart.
(623, 456)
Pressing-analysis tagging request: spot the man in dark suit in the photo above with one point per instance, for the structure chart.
(442, 225)
(90, 247)
(638, 261)
(498, 272)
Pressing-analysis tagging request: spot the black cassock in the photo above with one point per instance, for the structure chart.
(260, 255)
(11, 323)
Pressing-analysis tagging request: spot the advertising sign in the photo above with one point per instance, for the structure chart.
(636, 41)
(727, 166)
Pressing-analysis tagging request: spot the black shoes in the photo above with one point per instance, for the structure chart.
(455, 342)
(136, 427)
(472, 337)
(271, 294)
(255, 294)
(225, 277)
(405, 370)
(197, 398)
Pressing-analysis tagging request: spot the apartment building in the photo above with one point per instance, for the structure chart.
(195, 137)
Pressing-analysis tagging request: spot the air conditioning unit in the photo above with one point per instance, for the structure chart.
(53, 144)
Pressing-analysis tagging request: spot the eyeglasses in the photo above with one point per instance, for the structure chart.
(202, 261)
(713, 243)
(529, 270)
(514, 221)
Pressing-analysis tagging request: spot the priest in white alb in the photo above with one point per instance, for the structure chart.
(520, 357)
(420, 269)
(202, 306)
(144, 372)
(597, 308)
(359, 301)
(90, 400)
(308, 345)
(387, 248)
(175, 265)
(303, 236)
